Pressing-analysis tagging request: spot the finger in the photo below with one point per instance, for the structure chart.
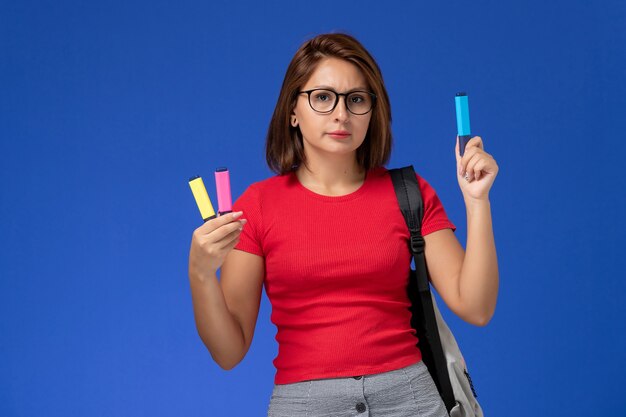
(219, 221)
(488, 165)
(471, 164)
(228, 239)
(469, 154)
(476, 141)
(479, 167)
(470, 171)
(219, 234)
(231, 245)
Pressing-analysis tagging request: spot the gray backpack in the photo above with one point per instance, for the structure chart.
(440, 352)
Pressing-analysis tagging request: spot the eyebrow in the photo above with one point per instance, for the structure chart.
(326, 87)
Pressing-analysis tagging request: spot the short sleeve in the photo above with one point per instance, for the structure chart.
(435, 217)
(250, 203)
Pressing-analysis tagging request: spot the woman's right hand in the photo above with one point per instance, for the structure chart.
(211, 242)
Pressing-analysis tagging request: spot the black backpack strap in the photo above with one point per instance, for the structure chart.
(423, 320)
(410, 200)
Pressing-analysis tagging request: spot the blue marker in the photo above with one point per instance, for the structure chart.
(462, 120)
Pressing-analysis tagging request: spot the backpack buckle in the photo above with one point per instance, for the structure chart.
(417, 243)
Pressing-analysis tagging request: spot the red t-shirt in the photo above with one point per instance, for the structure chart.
(336, 272)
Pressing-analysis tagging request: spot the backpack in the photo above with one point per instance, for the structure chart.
(439, 349)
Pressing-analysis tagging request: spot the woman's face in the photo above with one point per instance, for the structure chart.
(337, 132)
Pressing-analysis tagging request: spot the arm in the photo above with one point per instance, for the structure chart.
(225, 311)
(468, 281)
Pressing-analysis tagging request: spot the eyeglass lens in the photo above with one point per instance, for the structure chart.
(357, 102)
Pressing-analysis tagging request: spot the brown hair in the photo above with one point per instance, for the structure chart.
(284, 150)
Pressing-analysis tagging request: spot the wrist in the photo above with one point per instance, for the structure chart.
(202, 277)
(472, 204)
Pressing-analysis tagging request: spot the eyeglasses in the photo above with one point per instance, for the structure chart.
(325, 100)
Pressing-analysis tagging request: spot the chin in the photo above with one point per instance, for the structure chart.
(333, 147)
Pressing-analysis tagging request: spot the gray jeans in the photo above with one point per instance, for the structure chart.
(405, 392)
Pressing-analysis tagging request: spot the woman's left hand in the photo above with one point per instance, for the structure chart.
(476, 170)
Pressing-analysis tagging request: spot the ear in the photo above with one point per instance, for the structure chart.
(293, 120)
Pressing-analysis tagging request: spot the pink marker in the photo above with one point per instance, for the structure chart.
(222, 183)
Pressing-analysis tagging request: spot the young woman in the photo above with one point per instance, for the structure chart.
(327, 239)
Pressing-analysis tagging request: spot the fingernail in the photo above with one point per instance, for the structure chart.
(237, 214)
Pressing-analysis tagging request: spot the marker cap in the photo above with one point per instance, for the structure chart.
(222, 183)
(202, 198)
(462, 114)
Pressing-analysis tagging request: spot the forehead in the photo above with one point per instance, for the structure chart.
(338, 74)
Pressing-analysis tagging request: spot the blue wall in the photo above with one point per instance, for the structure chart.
(107, 108)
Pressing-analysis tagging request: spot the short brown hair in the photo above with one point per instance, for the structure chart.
(284, 150)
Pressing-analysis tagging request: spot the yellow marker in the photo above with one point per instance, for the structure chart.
(202, 198)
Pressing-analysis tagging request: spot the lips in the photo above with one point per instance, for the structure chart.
(339, 134)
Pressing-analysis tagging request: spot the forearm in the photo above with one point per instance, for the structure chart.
(478, 284)
(217, 327)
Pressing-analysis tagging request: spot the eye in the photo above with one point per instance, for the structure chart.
(322, 96)
(358, 98)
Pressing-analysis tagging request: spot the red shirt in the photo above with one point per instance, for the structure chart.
(336, 271)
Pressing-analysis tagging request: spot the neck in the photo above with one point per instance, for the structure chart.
(334, 175)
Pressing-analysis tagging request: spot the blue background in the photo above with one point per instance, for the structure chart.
(107, 108)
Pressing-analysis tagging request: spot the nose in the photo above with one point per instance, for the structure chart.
(341, 111)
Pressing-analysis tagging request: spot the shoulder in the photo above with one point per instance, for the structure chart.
(276, 181)
(424, 186)
(427, 190)
(257, 191)
(434, 217)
